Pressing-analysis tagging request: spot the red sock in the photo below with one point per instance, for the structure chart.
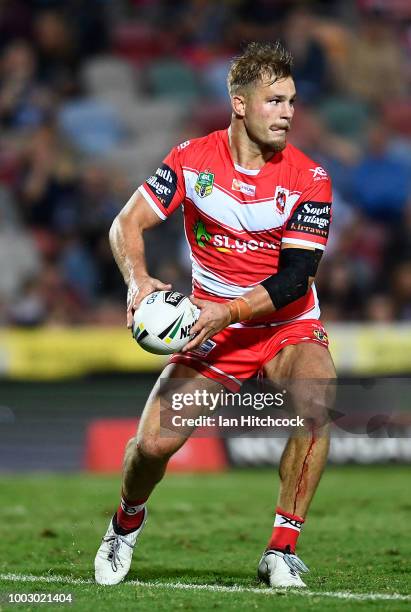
(130, 514)
(286, 530)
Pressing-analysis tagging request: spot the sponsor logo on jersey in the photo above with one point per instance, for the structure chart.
(163, 183)
(311, 218)
(204, 184)
(243, 187)
(165, 173)
(201, 234)
(280, 198)
(226, 244)
(320, 335)
(204, 348)
(183, 145)
(319, 173)
(174, 298)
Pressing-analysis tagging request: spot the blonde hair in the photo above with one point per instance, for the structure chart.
(257, 61)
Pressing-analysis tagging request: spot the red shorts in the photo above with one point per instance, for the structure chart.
(237, 353)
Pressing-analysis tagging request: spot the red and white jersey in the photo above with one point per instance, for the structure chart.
(236, 220)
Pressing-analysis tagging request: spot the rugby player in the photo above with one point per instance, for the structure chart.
(256, 214)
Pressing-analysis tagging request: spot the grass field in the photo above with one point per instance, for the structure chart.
(204, 537)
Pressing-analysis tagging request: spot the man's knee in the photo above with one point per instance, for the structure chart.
(131, 446)
(153, 448)
(315, 403)
(319, 411)
(315, 413)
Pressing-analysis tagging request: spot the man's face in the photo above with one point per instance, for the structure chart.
(268, 109)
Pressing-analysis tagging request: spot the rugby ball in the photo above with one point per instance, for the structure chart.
(163, 321)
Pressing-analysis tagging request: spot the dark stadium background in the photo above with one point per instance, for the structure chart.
(92, 96)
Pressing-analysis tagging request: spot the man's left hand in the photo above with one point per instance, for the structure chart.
(213, 318)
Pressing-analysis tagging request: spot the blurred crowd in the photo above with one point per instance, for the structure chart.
(94, 94)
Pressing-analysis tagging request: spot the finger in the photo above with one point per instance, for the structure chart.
(131, 296)
(163, 286)
(199, 339)
(137, 300)
(197, 302)
(135, 304)
(198, 327)
(129, 319)
(139, 297)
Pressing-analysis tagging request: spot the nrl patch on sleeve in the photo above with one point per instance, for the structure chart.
(311, 218)
(163, 184)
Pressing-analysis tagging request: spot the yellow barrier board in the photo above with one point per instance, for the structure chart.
(371, 349)
(46, 354)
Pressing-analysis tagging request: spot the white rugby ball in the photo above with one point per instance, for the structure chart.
(163, 321)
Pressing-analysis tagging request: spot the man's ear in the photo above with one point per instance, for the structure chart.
(238, 104)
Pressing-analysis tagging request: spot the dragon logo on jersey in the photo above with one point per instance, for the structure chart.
(204, 184)
(280, 198)
(201, 234)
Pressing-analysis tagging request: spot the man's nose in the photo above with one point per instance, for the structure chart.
(287, 111)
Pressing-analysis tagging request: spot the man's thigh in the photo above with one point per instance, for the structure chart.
(304, 360)
(176, 382)
(307, 371)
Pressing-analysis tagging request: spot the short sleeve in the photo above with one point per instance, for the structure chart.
(309, 221)
(164, 190)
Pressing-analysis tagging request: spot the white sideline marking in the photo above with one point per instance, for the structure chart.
(213, 588)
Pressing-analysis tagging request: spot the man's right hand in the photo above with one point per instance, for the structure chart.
(138, 290)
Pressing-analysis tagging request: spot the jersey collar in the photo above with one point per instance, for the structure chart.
(250, 172)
